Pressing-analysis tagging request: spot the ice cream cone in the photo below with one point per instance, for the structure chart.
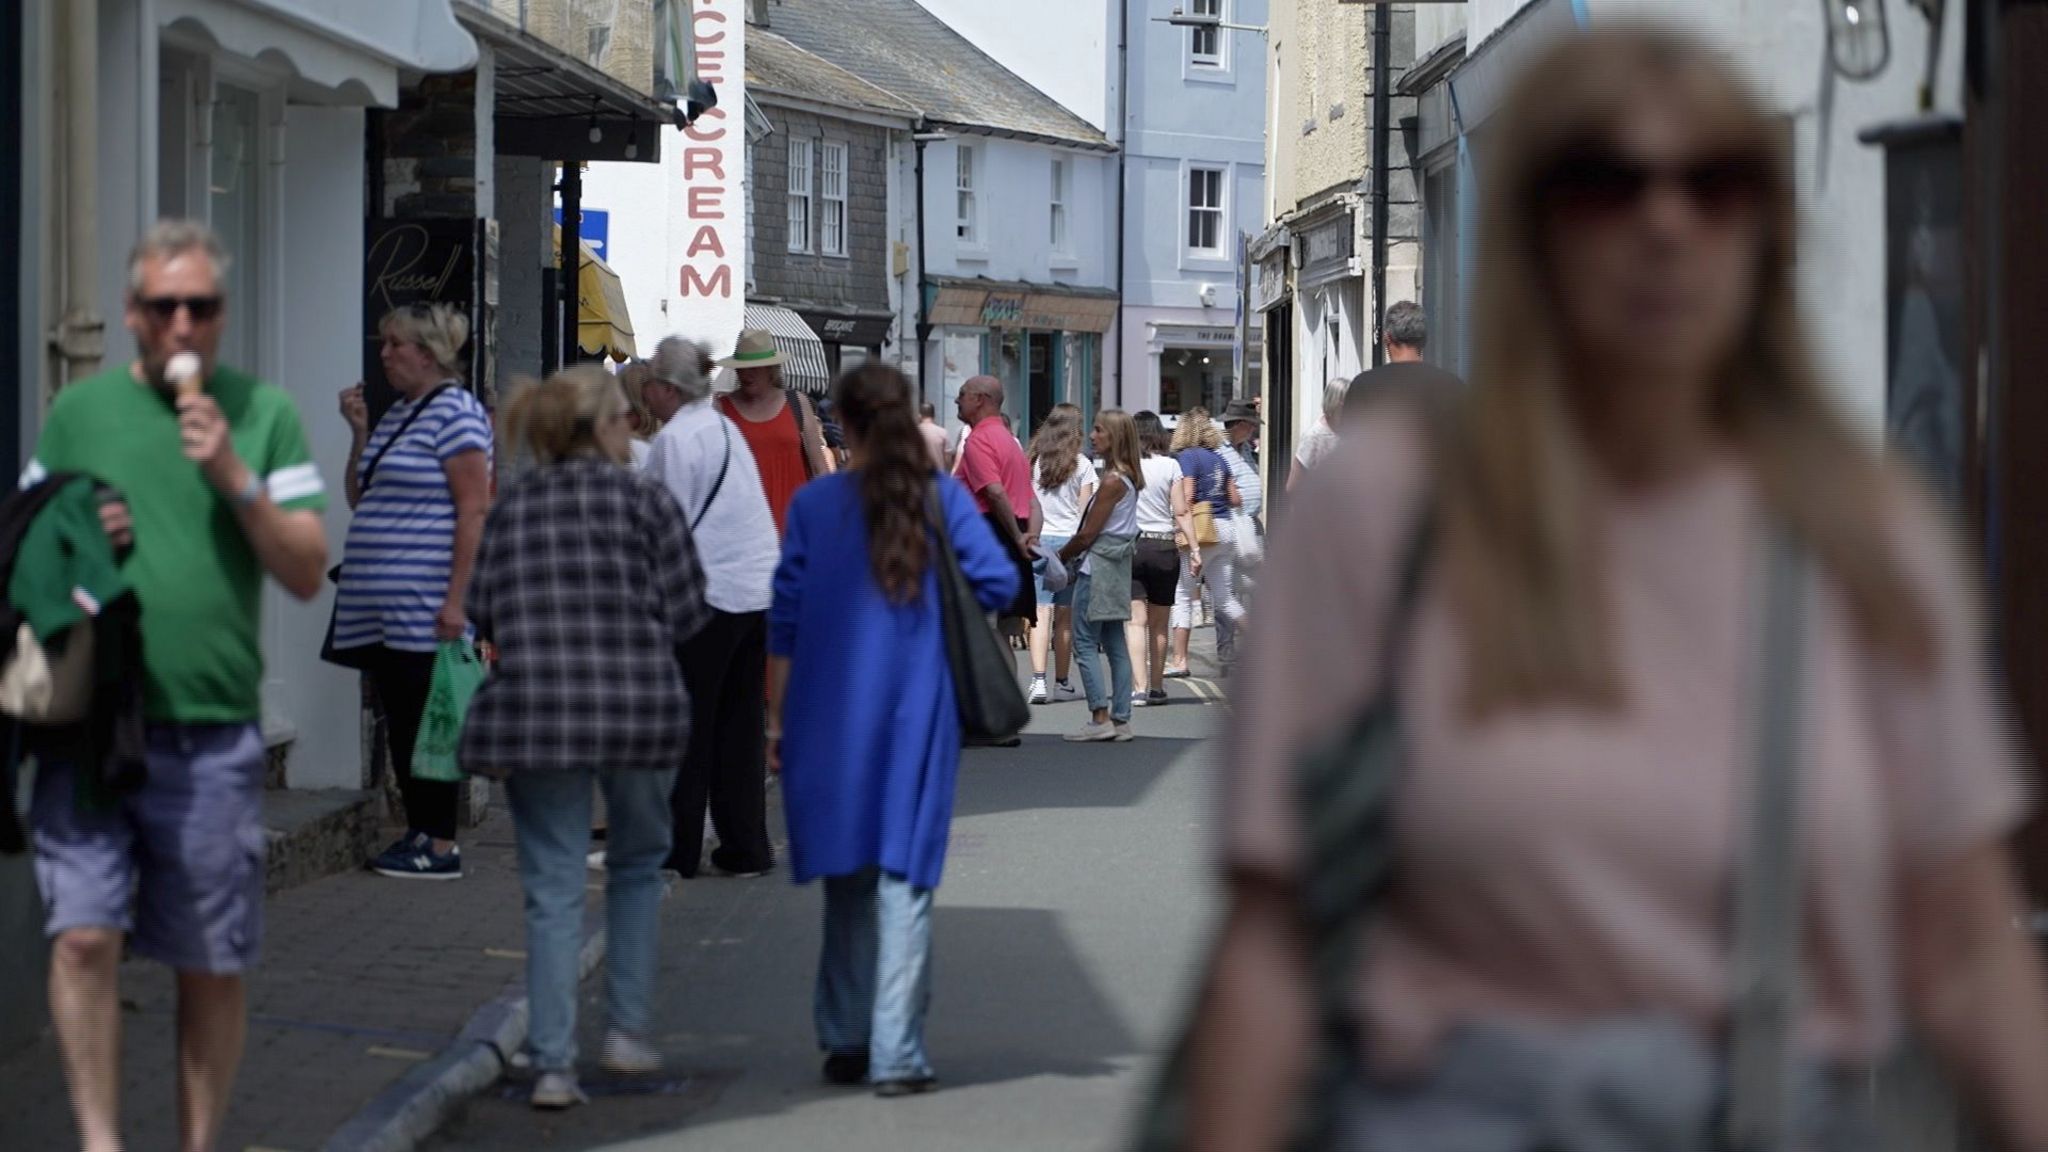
(182, 373)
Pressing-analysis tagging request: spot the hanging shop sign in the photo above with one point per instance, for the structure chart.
(1327, 248)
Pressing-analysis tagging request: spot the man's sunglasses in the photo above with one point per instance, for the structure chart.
(164, 309)
(1592, 182)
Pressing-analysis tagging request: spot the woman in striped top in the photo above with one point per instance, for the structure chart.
(420, 487)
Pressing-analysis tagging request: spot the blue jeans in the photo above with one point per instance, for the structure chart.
(875, 972)
(551, 816)
(1104, 637)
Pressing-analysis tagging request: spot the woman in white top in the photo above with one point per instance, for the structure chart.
(1103, 547)
(1065, 479)
(1155, 567)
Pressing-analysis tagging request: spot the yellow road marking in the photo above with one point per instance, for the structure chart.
(387, 1053)
(505, 953)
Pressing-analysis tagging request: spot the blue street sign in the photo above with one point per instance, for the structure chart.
(597, 229)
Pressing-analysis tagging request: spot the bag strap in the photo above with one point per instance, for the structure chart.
(1766, 998)
(795, 400)
(724, 466)
(405, 425)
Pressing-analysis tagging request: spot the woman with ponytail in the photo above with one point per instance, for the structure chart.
(587, 584)
(862, 723)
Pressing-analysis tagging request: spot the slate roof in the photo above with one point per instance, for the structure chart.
(774, 65)
(899, 46)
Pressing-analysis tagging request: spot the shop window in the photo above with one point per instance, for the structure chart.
(799, 195)
(233, 207)
(1193, 378)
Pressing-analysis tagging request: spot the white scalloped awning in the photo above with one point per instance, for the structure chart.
(353, 49)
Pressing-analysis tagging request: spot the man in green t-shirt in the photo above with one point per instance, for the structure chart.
(219, 490)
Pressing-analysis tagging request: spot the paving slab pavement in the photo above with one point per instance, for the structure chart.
(1074, 905)
(362, 978)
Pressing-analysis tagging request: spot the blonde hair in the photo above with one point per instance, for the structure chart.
(632, 378)
(557, 419)
(439, 329)
(1520, 536)
(1196, 430)
(1125, 449)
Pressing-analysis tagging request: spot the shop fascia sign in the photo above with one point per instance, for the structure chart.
(1327, 247)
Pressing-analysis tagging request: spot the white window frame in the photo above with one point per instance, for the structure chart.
(966, 198)
(1060, 229)
(801, 153)
(1220, 209)
(1218, 55)
(832, 215)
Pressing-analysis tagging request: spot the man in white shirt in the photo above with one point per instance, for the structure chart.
(704, 462)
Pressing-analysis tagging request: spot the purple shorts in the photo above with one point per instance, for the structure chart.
(177, 865)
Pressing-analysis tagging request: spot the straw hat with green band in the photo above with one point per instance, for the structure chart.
(755, 349)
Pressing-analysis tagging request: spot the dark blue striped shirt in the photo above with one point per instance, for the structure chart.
(395, 569)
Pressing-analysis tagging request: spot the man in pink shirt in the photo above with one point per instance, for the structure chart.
(993, 467)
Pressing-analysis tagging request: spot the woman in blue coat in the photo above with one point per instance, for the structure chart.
(862, 722)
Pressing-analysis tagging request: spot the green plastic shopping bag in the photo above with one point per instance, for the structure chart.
(458, 673)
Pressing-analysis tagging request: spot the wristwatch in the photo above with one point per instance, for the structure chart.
(250, 492)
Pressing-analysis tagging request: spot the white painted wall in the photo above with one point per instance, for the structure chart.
(321, 322)
(1066, 48)
(637, 197)
(1014, 188)
(1437, 23)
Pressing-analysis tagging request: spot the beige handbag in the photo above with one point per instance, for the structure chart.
(38, 690)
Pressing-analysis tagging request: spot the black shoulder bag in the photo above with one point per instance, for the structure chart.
(991, 704)
(358, 658)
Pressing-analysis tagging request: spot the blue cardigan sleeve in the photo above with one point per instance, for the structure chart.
(983, 559)
(787, 606)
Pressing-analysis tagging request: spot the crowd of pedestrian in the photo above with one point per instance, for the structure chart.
(1627, 697)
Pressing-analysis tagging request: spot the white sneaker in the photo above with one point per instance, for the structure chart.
(555, 1091)
(1038, 692)
(1123, 734)
(1066, 691)
(1093, 734)
(627, 1056)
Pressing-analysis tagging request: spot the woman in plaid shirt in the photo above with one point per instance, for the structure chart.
(587, 582)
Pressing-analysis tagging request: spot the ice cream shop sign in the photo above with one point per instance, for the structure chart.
(705, 210)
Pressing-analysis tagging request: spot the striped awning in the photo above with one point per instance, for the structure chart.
(804, 366)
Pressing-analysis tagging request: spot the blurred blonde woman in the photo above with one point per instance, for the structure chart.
(420, 486)
(1205, 479)
(587, 690)
(633, 379)
(1577, 675)
(1065, 481)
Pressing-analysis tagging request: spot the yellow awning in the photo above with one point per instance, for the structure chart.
(603, 325)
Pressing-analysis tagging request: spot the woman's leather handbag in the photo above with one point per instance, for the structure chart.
(992, 706)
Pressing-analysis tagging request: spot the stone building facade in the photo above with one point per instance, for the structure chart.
(827, 259)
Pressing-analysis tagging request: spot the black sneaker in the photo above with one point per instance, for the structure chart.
(917, 1086)
(847, 1069)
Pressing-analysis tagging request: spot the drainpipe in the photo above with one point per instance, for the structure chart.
(570, 268)
(81, 334)
(1123, 153)
(1382, 134)
(918, 139)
